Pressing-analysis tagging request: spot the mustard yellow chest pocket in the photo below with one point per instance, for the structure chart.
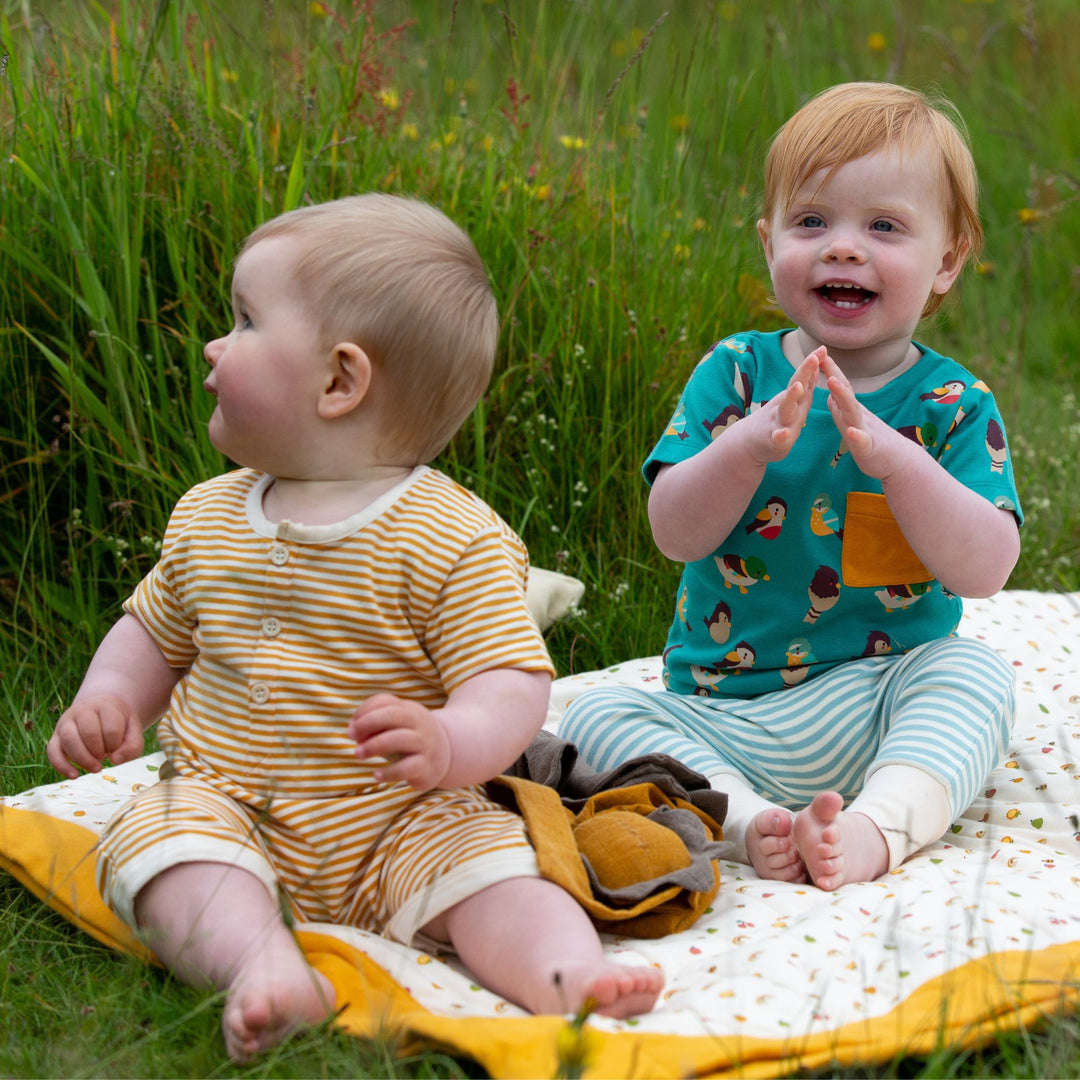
(875, 552)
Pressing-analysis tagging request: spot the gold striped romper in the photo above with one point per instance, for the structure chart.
(285, 630)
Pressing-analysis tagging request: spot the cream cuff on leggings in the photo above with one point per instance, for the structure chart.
(908, 805)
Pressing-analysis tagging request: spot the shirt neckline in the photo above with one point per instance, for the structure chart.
(300, 533)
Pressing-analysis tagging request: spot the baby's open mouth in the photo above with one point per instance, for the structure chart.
(844, 295)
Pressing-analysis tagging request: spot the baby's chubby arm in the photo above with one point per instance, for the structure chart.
(125, 689)
(688, 523)
(965, 541)
(484, 726)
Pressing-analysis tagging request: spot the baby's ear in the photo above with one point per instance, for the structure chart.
(952, 262)
(348, 380)
(765, 236)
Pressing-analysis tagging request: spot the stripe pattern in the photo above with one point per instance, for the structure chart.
(946, 707)
(386, 861)
(286, 629)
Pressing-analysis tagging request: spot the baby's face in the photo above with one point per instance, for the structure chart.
(268, 371)
(854, 257)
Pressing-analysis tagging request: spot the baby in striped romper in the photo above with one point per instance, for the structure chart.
(833, 489)
(336, 642)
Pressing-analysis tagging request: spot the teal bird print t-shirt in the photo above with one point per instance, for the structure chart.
(818, 572)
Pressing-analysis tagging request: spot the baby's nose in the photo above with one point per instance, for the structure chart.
(843, 248)
(212, 350)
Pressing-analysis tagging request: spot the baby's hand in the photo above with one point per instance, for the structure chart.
(778, 423)
(96, 727)
(408, 735)
(870, 441)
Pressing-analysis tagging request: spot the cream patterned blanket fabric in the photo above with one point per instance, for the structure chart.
(978, 933)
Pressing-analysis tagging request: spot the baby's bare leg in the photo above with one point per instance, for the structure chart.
(216, 925)
(530, 941)
(839, 845)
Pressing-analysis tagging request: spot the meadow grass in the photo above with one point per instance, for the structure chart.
(606, 158)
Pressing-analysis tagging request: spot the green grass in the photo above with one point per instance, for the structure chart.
(605, 156)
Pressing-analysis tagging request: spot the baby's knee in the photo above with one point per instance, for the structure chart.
(969, 663)
(992, 674)
(989, 659)
(599, 710)
(978, 680)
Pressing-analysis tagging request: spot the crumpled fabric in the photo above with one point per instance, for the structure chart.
(696, 875)
(634, 845)
(555, 763)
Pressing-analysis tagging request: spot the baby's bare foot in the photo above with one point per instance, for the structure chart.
(771, 847)
(262, 1011)
(616, 989)
(838, 846)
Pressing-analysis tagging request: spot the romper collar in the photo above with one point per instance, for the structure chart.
(297, 532)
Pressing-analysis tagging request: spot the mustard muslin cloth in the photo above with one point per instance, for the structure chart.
(641, 863)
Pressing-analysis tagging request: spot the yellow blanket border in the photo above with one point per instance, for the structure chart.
(968, 1006)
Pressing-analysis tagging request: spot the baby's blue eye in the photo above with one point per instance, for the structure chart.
(244, 322)
(883, 226)
(811, 221)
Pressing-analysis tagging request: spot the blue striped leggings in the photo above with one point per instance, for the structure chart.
(946, 708)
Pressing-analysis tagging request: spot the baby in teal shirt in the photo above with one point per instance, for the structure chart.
(833, 491)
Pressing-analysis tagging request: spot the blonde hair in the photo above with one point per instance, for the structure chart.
(849, 121)
(398, 278)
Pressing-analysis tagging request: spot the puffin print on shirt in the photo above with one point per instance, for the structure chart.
(817, 571)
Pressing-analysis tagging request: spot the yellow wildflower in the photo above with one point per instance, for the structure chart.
(876, 42)
(230, 76)
(1028, 215)
(572, 142)
(410, 131)
(624, 46)
(680, 122)
(576, 1047)
(390, 97)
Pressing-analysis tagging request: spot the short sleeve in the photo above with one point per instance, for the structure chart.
(158, 604)
(975, 449)
(718, 393)
(480, 620)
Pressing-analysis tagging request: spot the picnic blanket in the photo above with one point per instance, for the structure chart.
(978, 933)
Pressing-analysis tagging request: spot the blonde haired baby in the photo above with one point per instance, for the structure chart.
(336, 641)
